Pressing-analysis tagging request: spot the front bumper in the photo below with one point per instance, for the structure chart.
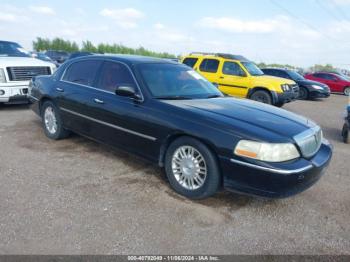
(319, 93)
(275, 180)
(13, 93)
(285, 97)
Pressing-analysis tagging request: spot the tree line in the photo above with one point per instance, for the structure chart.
(44, 44)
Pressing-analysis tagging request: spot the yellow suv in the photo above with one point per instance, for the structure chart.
(237, 76)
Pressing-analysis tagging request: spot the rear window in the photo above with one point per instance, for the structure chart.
(190, 61)
(209, 65)
(82, 72)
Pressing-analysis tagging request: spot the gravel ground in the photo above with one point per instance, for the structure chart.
(75, 196)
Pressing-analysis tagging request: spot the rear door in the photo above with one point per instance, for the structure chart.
(328, 80)
(233, 79)
(72, 92)
(209, 68)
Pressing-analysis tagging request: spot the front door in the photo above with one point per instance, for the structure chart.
(233, 80)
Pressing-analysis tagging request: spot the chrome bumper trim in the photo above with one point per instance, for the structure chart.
(273, 170)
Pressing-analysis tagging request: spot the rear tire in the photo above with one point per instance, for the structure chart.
(346, 134)
(303, 93)
(280, 104)
(347, 91)
(52, 122)
(192, 169)
(262, 96)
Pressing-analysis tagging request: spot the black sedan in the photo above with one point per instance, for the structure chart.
(171, 115)
(307, 89)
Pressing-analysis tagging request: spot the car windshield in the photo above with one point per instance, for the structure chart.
(295, 76)
(252, 69)
(344, 78)
(170, 81)
(12, 49)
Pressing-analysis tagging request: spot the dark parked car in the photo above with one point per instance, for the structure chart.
(171, 115)
(307, 89)
(43, 57)
(346, 127)
(79, 54)
(58, 56)
(336, 82)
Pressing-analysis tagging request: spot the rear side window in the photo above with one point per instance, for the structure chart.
(82, 72)
(190, 61)
(325, 76)
(209, 65)
(114, 75)
(232, 68)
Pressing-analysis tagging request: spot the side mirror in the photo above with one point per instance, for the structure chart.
(127, 91)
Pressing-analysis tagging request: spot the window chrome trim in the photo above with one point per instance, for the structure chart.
(273, 170)
(98, 89)
(110, 125)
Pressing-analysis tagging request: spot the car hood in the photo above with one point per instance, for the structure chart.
(307, 82)
(273, 80)
(245, 115)
(6, 61)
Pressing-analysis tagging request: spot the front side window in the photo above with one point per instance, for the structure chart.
(209, 65)
(168, 81)
(252, 69)
(114, 75)
(232, 68)
(82, 72)
(190, 61)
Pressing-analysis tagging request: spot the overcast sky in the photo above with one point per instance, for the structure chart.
(298, 32)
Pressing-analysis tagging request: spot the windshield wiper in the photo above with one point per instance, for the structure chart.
(173, 98)
(214, 96)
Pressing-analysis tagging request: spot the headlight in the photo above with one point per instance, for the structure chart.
(2, 76)
(317, 87)
(266, 151)
(285, 88)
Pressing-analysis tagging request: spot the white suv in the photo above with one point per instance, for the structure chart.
(17, 68)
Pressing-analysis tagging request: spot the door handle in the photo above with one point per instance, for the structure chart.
(222, 77)
(59, 89)
(98, 101)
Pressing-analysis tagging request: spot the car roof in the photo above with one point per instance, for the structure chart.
(218, 55)
(128, 59)
(8, 42)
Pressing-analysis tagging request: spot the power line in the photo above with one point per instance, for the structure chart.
(300, 20)
(326, 10)
(340, 11)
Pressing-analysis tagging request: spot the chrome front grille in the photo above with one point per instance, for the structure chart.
(26, 73)
(309, 141)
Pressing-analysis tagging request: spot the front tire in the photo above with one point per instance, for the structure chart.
(192, 168)
(303, 93)
(52, 122)
(347, 91)
(261, 96)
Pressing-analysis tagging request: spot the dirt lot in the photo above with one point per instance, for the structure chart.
(78, 197)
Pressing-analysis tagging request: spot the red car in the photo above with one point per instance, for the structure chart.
(337, 83)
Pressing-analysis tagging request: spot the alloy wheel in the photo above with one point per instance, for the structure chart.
(50, 120)
(189, 167)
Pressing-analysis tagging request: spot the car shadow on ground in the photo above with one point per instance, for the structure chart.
(14, 107)
(333, 133)
(76, 143)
